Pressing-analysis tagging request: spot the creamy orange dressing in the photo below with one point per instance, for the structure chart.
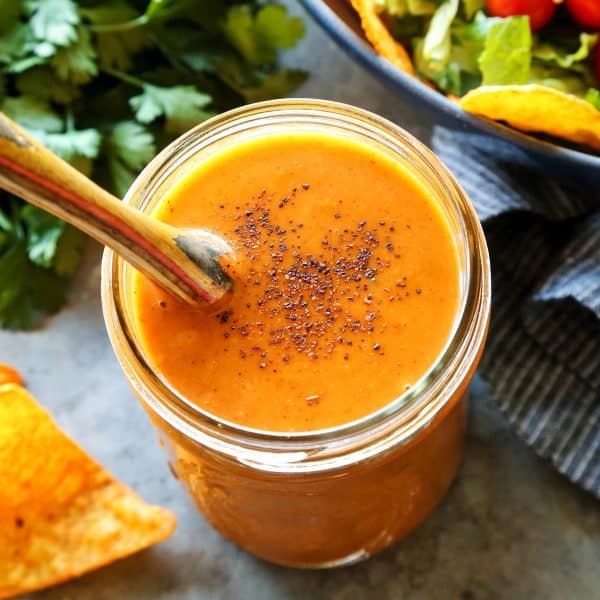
(347, 291)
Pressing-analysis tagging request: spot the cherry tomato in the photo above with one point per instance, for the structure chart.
(585, 12)
(538, 11)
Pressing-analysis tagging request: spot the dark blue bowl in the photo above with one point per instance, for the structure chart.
(340, 21)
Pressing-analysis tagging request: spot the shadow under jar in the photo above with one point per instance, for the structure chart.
(333, 496)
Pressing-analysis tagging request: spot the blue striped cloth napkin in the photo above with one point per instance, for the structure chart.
(542, 360)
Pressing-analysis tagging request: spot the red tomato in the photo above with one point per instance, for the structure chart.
(538, 11)
(585, 12)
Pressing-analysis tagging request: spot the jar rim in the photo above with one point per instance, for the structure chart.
(398, 420)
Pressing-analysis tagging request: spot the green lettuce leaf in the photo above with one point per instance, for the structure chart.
(401, 8)
(468, 41)
(461, 72)
(569, 82)
(436, 43)
(472, 7)
(506, 58)
(593, 97)
(551, 54)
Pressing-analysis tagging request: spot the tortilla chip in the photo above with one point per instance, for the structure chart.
(61, 514)
(381, 39)
(9, 375)
(537, 108)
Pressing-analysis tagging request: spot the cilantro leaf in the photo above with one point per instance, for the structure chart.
(275, 85)
(32, 113)
(76, 63)
(168, 9)
(71, 143)
(255, 86)
(26, 289)
(9, 14)
(103, 84)
(129, 147)
(42, 83)
(273, 25)
(133, 144)
(16, 301)
(54, 21)
(115, 49)
(257, 37)
(181, 105)
(13, 42)
(68, 251)
(75, 146)
(43, 231)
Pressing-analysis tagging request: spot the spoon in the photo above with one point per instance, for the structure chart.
(184, 262)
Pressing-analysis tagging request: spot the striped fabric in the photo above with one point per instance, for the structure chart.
(542, 361)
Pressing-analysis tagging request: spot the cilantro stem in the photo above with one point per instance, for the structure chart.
(140, 21)
(130, 79)
(69, 120)
(164, 50)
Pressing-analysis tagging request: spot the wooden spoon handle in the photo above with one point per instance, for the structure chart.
(186, 265)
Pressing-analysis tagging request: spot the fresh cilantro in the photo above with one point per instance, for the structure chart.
(181, 105)
(37, 257)
(279, 30)
(32, 113)
(76, 147)
(115, 49)
(44, 231)
(255, 87)
(10, 11)
(13, 43)
(40, 82)
(129, 147)
(76, 63)
(168, 9)
(54, 21)
(258, 36)
(68, 251)
(104, 85)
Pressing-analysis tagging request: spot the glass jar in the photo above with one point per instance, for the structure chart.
(328, 497)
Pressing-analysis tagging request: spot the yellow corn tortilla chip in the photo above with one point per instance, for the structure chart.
(537, 108)
(61, 514)
(379, 36)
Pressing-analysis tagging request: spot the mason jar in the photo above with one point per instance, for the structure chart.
(327, 497)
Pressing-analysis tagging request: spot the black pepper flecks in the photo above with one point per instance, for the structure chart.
(319, 297)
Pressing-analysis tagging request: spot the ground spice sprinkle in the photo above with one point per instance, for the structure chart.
(323, 301)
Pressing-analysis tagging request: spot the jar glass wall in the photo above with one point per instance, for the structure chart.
(327, 497)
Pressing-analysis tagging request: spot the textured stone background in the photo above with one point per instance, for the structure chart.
(509, 528)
